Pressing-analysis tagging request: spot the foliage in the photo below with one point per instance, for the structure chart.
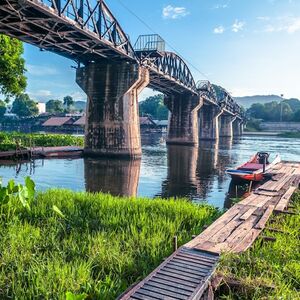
(269, 264)
(23, 193)
(8, 140)
(101, 246)
(68, 101)
(253, 125)
(2, 108)
(287, 110)
(154, 106)
(23, 106)
(12, 67)
(54, 106)
(290, 134)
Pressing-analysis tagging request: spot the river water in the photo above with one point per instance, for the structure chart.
(197, 173)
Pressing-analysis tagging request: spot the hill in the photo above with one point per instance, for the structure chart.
(247, 101)
(80, 105)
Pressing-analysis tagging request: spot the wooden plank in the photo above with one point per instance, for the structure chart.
(178, 290)
(177, 281)
(216, 226)
(264, 219)
(163, 293)
(261, 201)
(248, 213)
(187, 273)
(167, 282)
(178, 275)
(199, 269)
(284, 201)
(247, 241)
(153, 295)
(266, 193)
(193, 263)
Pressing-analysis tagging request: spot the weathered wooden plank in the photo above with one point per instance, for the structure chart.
(284, 201)
(188, 273)
(164, 293)
(167, 282)
(200, 268)
(193, 262)
(174, 289)
(178, 275)
(247, 241)
(153, 295)
(248, 213)
(175, 280)
(264, 219)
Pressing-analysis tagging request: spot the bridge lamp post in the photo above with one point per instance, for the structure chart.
(281, 95)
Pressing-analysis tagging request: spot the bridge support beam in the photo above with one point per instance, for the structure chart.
(209, 122)
(183, 121)
(226, 125)
(112, 124)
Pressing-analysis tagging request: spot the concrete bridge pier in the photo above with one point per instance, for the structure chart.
(226, 127)
(183, 120)
(112, 125)
(237, 127)
(209, 122)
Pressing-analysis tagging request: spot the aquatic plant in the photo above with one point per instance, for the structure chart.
(93, 244)
(9, 141)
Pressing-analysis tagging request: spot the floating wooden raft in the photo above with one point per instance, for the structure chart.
(184, 275)
(187, 273)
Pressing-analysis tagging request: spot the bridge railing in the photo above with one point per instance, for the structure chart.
(95, 16)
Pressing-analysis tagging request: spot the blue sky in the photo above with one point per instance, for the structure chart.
(248, 47)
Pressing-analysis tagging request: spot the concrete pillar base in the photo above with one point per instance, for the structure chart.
(226, 128)
(112, 125)
(183, 121)
(209, 122)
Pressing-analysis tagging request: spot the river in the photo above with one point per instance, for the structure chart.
(197, 173)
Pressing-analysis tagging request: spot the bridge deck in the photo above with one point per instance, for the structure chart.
(187, 273)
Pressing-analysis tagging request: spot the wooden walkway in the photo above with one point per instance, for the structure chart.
(188, 272)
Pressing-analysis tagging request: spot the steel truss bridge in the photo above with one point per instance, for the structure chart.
(86, 31)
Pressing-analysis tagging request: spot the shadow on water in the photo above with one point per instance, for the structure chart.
(114, 176)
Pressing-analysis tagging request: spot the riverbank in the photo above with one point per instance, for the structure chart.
(270, 269)
(273, 133)
(89, 243)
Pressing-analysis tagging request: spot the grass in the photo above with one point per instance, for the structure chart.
(270, 270)
(290, 134)
(8, 141)
(89, 243)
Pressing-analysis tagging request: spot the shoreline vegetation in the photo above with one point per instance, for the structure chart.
(96, 245)
(270, 269)
(10, 141)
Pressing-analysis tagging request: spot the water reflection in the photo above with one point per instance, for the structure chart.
(181, 179)
(195, 173)
(114, 176)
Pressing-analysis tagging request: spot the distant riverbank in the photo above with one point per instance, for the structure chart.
(271, 133)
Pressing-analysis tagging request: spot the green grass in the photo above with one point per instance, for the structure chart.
(269, 264)
(8, 140)
(290, 134)
(99, 246)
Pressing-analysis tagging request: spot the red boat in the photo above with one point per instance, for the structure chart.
(254, 169)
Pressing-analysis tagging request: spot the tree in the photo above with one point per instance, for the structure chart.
(54, 106)
(296, 117)
(23, 106)
(2, 108)
(154, 106)
(68, 102)
(12, 67)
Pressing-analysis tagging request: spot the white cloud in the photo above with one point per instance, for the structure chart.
(219, 30)
(36, 70)
(286, 24)
(171, 12)
(237, 26)
(219, 6)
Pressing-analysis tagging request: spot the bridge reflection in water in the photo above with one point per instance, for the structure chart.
(115, 176)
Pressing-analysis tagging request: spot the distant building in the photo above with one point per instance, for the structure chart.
(280, 126)
(80, 122)
(163, 124)
(41, 107)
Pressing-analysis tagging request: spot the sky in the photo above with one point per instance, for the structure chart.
(248, 47)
